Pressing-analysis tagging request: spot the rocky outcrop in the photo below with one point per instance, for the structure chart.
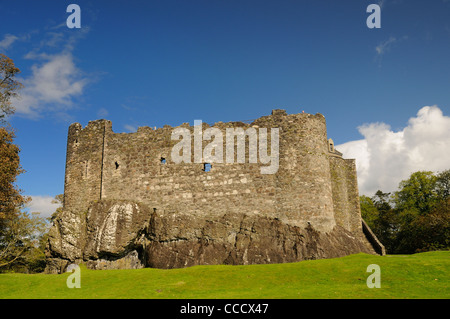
(104, 237)
(123, 234)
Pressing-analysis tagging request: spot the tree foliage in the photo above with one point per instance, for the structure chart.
(59, 199)
(417, 193)
(10, 195)
(20, 232)
(13, 242)
(10, 198)
(21, 242)
(416, 217)
(368, 211)
(381, 217)
(8, 85)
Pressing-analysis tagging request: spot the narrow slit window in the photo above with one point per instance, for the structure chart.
(117, 165)
(206, 167)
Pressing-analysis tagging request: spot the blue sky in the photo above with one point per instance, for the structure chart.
(151, 63)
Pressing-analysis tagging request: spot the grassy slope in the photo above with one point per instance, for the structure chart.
(424, 275)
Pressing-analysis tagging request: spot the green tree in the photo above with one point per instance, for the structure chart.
(443, 185)
(418, 193)
(426, 232)
(20, 240)
(432, 230)
(368, 211)
(378, 213)
(387, 224)
(416, 218)
(422, 208)
(25, 240)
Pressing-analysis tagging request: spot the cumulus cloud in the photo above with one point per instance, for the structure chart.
(55, 81)
(384, 157)
(42, 205)
(53, 84)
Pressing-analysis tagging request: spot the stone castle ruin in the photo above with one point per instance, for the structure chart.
(127, 204)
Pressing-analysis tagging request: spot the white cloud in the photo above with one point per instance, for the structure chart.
(53, 85)
(102, 112)
(55, 81)
(130, 128)
(7, 41)
(385, 46)
(42, 205)
(384, 157)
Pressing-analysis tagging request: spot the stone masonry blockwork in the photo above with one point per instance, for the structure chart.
(313, 188)
(102, 164)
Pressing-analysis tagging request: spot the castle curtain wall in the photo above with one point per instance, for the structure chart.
(308, 187)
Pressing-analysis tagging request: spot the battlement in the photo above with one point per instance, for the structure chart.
(311, 185)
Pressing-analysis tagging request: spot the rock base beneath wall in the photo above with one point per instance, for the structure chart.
(127, 235)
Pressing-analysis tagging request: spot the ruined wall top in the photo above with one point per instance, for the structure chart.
(269, 120)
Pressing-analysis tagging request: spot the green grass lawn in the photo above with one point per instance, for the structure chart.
(424, 275)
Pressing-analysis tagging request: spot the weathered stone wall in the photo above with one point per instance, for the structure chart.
(126, 207)
(84, 164)
(104, 165)
(347, 211)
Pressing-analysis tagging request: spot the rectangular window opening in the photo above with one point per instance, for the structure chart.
(206, 167)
